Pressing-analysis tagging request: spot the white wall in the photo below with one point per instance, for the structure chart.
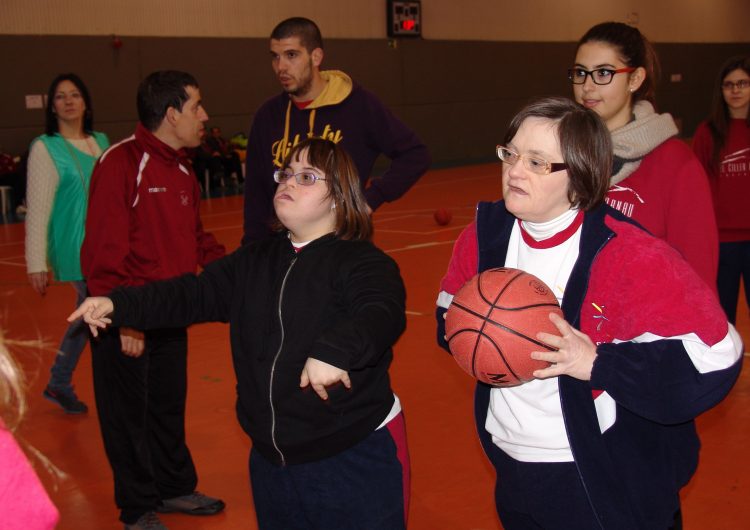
(489, 20)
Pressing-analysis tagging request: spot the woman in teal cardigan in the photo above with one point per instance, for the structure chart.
(59, 171)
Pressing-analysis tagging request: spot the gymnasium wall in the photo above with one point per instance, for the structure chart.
(457, 87)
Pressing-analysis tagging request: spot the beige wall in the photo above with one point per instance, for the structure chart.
(488, 20)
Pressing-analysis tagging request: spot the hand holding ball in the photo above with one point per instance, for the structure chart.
(492, 323)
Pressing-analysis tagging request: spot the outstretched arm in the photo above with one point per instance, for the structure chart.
(95, 312)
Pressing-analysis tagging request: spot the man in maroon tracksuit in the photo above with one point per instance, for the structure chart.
(143, 225)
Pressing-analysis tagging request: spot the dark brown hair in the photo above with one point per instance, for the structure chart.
(634, 50)
(718, 122)
(303, 28)
(585, 144)
(51, 126)
(159, 91)
(352, 214)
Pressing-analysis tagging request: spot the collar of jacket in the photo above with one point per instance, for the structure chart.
(158, 149)
(322, 240)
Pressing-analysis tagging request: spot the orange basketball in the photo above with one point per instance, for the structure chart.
(492, 323)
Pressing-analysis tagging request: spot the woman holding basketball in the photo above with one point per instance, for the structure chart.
(313, 316)
(656, 179)
(604, 437)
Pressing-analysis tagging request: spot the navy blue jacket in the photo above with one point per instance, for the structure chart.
(633, 471)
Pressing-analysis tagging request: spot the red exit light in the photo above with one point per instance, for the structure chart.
(408, 25)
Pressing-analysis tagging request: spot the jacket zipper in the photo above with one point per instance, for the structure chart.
(273, 365)
(572, 451)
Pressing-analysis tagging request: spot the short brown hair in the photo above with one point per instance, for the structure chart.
(304, 29)
(585, 144)
(352, 214)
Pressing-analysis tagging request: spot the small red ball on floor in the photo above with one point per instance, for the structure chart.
(442, 216)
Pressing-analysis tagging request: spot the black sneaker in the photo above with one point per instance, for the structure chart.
(147, 521)
(67, 399)
(195, 503)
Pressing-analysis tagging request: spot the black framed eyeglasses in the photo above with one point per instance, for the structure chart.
(303, 178)
(600, 76)
(741, 84)
(533, 163)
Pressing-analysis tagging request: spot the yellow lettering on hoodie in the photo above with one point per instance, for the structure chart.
(279, 149)
(329, 134)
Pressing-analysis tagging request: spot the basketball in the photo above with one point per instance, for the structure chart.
(492, 323)
(442, 216)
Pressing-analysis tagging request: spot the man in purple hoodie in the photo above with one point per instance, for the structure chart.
(325, 104)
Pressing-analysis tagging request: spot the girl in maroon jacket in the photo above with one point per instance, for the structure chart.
(656, 180)
(722, 144)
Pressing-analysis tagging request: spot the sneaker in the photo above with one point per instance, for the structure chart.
(194, 504)
(67, 399)
(147, 521)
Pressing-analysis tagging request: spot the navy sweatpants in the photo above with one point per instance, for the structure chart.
(365, 487)
(734, 263)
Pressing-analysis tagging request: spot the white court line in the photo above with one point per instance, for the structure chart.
(423, 233)
(419, 245)
(12, 264)
(10, 243)
(395, 218)
(14, 261)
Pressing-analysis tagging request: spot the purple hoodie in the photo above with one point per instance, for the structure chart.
(344, 112)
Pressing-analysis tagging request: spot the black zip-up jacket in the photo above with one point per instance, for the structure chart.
(342, 302)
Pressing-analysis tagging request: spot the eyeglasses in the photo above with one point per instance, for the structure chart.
(304, 178)
(600, 76)
(741, 84)
(534, 164)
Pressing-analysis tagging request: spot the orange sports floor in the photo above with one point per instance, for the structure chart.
(451, 481)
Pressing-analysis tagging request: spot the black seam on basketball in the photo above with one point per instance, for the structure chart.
(499, 294)
(521, 308)
(487, 316)
(522, 335)
(493, 303)
(476, 347)
(502, 355)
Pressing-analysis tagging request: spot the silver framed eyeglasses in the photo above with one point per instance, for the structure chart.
(533, 163)
(600, 76)
(303, 178)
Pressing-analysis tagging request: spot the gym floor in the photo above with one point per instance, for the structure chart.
(451, 481)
